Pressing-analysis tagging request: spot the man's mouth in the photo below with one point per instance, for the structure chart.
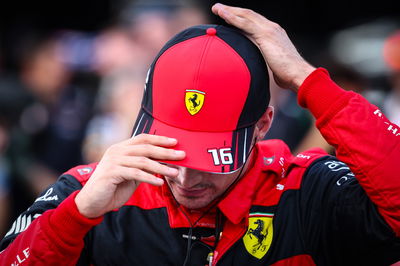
(190, 192)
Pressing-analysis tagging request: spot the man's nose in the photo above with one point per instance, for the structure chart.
(189, 177)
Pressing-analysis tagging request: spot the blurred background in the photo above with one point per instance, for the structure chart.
(72, 75)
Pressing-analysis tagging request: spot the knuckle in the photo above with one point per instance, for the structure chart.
(276, 27)
(136, 173)
(171, 171)
(142, 160)
(160, 151)
(112, 149)
(246, 12)
(140, 137)
(147, 148)
(162, 168)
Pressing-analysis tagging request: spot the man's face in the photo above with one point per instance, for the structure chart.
(196, 189)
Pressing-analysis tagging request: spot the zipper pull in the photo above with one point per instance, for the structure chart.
(210, 257)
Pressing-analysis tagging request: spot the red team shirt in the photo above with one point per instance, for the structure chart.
(309, 209)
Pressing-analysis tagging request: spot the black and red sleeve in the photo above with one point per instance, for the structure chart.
(51, 231)
(364, 139)
(342, 226)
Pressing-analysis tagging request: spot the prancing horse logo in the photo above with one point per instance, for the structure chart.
(194, 100)
(258, 237)
(258, 233)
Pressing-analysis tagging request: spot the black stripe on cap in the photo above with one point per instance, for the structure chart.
(258, 98)
(143, 123)
(244, 138)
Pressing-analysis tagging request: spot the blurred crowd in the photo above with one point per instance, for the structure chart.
(73, 94)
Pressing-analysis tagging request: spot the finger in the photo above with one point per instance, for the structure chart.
(138, 175)
(151, 151)
(153, 139)
(226, 14)
(242, 18)
(236, 11)
(148, 165)
(236, 16)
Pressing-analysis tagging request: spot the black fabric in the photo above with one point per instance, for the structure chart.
(143, 123)
(335, 225)
(259, 95)
(243, 136)
(330, 218)
(341, 225)
(143, 237)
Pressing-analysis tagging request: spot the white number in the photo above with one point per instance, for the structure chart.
(221, 156)
(226, 156)
(214, 154)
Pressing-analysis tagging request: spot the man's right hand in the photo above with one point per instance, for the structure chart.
(123, 166)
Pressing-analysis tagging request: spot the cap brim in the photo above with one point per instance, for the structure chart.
(215, 152)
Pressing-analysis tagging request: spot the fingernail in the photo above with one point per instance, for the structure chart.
(173, 171)
(219, 6)
(172, 140)
(179, 153)
(224, 11)
(159, 181)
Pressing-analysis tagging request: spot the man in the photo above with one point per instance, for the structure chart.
(199, 188)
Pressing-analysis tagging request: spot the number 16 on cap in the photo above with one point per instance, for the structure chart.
(221, 156)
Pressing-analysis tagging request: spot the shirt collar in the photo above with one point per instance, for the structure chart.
(271, 156)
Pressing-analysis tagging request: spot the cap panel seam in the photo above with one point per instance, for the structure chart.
(239, 56)
(249, 81)
(200, 63)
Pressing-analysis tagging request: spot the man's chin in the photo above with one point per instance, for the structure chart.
(193, 203)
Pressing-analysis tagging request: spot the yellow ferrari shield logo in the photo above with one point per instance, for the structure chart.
(194, 101)
(258, 237)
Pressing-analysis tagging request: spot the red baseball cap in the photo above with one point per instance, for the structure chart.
(207, 88)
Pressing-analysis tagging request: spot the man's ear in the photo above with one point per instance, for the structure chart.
(264, 123)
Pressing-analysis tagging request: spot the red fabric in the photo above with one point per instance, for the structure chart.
(261, 189)
(301, 260)
(365, 140)
(175, 72)
(82, 172)
(259, 186)
(196, 145)
(278, 175)
(57, 235)
(55, 238)
(224, 95)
